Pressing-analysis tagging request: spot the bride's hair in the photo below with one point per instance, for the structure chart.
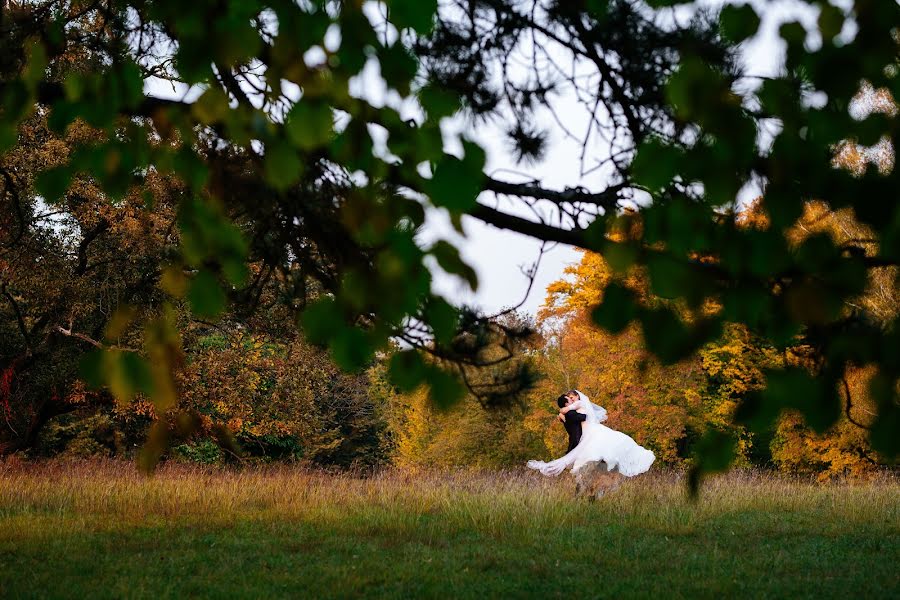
(562, 400)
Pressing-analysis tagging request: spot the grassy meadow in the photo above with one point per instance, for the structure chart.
(102, 530)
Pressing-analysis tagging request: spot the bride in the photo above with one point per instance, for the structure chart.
(598, 443)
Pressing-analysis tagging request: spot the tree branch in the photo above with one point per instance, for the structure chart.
(607, 199)
(541, 231)
(89, 237)
(19, 318)
(11, 190)
(80, 336)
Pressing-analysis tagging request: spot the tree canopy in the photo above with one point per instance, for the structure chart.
(287, 180)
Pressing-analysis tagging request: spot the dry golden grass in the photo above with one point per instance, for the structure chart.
(115, 489)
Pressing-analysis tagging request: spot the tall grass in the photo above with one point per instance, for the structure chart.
(459, 518)
(116, 491)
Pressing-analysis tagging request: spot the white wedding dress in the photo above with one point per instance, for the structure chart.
(599, 442)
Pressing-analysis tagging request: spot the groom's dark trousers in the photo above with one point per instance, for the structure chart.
(573, 428)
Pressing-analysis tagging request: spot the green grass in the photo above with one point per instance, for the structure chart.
(100, 530)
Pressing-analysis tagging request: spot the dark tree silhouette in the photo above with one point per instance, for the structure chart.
(280, 172)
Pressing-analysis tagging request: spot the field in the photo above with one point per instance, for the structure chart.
(101, 530)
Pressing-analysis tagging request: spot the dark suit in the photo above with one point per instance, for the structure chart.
(573, 423)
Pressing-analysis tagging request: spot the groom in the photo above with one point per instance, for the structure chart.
(572, 420)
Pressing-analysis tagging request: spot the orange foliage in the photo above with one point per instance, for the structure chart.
(655, 404)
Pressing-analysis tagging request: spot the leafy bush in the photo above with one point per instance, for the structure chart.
(80, 433)
(204, 452)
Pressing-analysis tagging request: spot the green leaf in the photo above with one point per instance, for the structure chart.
(665, 335)
(321, 320)
(450, 261)
(778, 96)
(457, 182)
(443, 319)
(438, 102)
(616, 310)
(36, 68)
(398, 67)
(418, 14)
(793, 33)
(598, 9)
(190, 168)
(884, 434)
(212, 106)
(407, 370)
(428, 143)
(656, 164)
(357, 37)
(746, 304)
(282, 167)
(154, 447)
(194, 67)
(713, 453)
(126, 374)
(17, 101)
(697, 93)
(208, 236)
(738, 22)
(351, 348)
(757, 411)
(205, 295)
(310, 124)
(445, 388)
(131, 84)
(831, 21)
(784, 207)
(815, 397)
(91, 369)
(872, 129)
(8, 136)
(354, 146)
(716, 450)
(620, 256)
(243, 42)
(53, 183)
(669, 277)
(235, 271)
(137, 370)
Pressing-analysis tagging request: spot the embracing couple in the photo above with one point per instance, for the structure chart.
(591, 441)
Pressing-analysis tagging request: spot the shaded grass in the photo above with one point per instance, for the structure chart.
(99, 529)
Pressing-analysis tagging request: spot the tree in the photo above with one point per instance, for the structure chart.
(65, 269)
(85, 272)
(270, 176)
(283, 399)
